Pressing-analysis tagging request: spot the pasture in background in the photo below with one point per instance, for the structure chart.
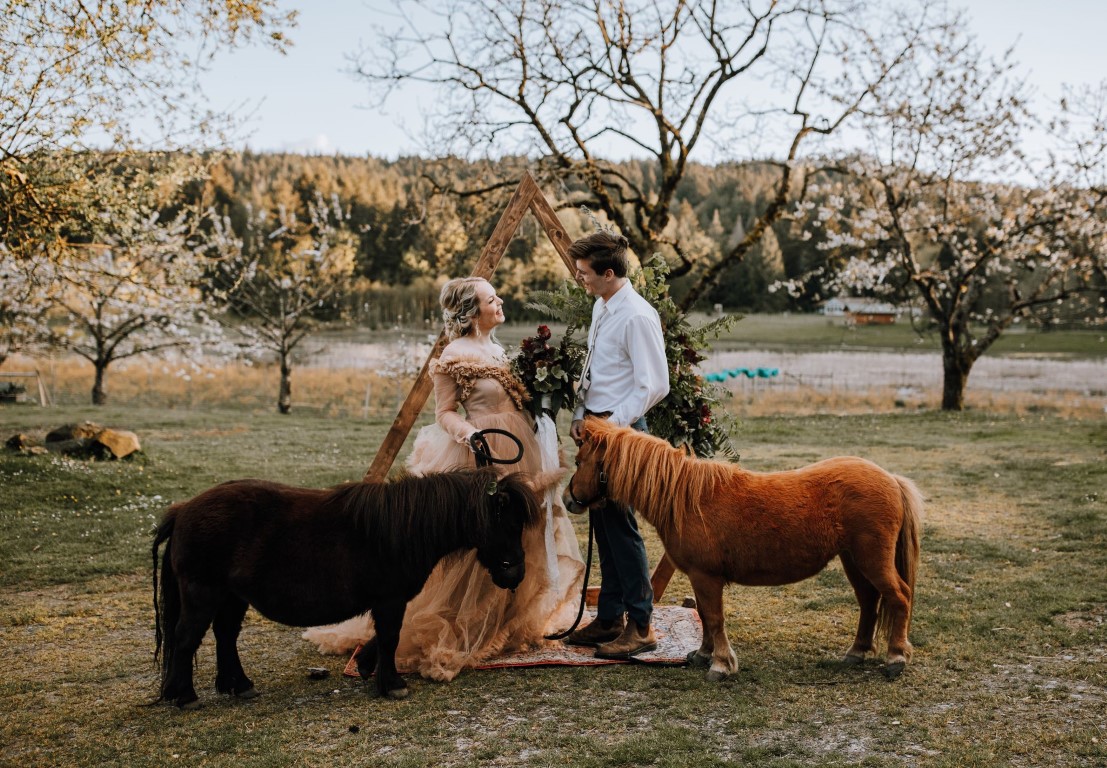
(822, 365)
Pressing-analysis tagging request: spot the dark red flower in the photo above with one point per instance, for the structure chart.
(544, 332)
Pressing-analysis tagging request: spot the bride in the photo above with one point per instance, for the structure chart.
(461, 619)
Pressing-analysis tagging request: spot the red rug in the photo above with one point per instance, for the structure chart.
(678, 633)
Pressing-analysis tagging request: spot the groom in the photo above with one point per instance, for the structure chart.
(625, 375)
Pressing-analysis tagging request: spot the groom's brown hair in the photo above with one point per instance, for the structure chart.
(602, 250)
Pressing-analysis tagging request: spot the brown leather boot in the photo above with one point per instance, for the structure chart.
(597, 632)
(633, 641)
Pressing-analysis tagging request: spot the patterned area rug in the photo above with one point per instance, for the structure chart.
(678, 632)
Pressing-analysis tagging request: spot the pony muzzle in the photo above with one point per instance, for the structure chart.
(508, 575)
(578, 506)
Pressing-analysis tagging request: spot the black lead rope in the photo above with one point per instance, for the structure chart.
(583, 590)
(485, 458)
(484, 453)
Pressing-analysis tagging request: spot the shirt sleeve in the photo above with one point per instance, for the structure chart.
(651, 370)
(446, 390)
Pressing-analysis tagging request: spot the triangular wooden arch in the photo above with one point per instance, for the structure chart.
(527, 196)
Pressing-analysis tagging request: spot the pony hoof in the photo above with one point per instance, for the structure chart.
(894, 669)
(715, 676)
(697, 659)
(399, 693)
(249, 693)
(853, 661)
(189, 706)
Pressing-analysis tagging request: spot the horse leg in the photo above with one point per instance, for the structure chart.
(388, 617)
(894, 613)
(191, 627)
(229, 675)
(715, 645)
(867, 598)
(367, 658)
(701, 657)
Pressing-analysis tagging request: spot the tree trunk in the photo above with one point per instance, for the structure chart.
(99, 396)
(955, 374)
(284, 399)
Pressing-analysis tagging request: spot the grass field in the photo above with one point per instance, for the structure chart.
(1010, 628)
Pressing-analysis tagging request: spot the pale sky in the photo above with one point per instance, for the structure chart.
(305, 102)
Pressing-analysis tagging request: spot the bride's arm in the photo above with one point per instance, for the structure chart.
(446, 391)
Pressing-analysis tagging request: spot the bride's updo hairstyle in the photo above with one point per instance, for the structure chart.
(459, 306)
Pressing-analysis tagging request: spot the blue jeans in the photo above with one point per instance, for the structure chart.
(624, 569)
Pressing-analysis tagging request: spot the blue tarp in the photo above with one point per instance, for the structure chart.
(749, 373)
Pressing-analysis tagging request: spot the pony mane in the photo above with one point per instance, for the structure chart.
(422, 514)
(663, 481)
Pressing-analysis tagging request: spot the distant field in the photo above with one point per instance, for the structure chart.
(818, 332)
(352, 372)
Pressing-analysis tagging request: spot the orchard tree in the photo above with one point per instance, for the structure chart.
(23, 306)
(933, 211)
(128, 283)
(281, 278)
(575, 82)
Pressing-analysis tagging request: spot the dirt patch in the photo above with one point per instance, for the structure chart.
(1083, 621)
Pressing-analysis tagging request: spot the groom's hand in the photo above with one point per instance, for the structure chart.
(576, 431)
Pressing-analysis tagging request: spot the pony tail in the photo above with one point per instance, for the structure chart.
(910, 533)
(907, 555)
(167, 610)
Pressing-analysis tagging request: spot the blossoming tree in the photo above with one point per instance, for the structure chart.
(279, 280)
(129, 288)
(932, 211)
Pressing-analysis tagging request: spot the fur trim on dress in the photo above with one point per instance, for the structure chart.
(466, 370)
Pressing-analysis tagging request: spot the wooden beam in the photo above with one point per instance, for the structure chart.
(554, 229)
(490, 257)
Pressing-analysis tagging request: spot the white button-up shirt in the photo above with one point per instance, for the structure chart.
(628, 371)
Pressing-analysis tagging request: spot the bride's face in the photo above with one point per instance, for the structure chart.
(491, 307)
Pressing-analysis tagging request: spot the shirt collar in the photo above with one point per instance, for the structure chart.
(619, 298)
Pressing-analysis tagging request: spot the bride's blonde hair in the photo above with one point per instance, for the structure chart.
(459, 306)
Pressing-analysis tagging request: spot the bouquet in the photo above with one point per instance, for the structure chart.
(549, 372)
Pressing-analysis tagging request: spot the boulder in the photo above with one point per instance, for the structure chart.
(77, 448)
(18, 442)
(119, 442)
(81, 441)
(84, 430)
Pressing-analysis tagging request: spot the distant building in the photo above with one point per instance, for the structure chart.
(860, 311)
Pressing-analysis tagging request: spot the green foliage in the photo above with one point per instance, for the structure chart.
(688, 415)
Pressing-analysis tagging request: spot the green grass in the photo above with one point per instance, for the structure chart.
(1010, 627)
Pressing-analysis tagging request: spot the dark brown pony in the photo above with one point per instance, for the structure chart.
(307, 557)
(721, 524)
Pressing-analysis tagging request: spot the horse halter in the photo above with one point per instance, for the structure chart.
(603, 489)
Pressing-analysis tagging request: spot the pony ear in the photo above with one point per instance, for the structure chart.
(541, 482)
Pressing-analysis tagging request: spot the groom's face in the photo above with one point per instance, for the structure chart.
(596, 284)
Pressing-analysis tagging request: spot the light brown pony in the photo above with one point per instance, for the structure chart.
(722, 524)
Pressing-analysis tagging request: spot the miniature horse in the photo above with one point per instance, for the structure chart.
(721, 524)
(308, 557)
